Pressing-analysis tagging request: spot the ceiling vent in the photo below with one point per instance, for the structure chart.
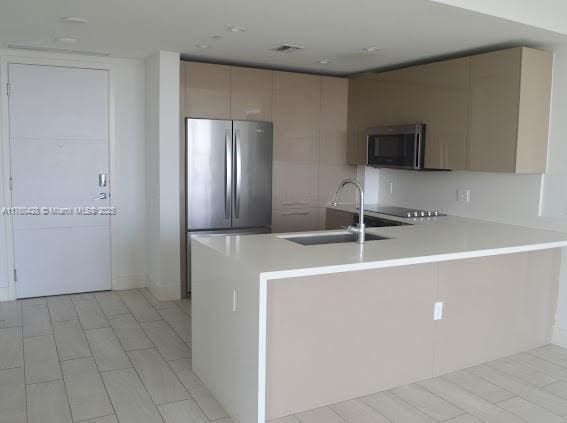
(288, 48)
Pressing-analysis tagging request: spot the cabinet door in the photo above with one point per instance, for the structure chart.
(250, 94)
(446, 113)
(362, 103)
(333, 141)
(494, 104)
(207, 91)
(296, 112)
(338, 219)
(294, 220)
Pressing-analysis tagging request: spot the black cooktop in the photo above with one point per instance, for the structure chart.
(402, 211)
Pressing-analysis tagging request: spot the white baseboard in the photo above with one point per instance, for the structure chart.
(559, 337)
(164, 292)
(129, 282)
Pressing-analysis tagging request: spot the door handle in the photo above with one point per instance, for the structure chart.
(102, 179)
(227, 172)
(100, 196)
(238, 173)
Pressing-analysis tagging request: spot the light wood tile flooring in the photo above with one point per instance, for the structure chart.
(124, 357)
(105, 357)
(527, 387)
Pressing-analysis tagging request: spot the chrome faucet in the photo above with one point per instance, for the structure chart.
(360, 228)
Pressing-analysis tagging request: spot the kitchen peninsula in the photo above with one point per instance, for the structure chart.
(280, 327)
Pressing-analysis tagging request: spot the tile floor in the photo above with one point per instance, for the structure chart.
(124, 357)
(106, 357)
(527, 387)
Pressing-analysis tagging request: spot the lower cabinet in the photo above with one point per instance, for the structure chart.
(338, 219)
(344, 335)
(295, 220)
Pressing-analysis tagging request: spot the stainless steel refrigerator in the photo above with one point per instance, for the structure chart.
(229, 179)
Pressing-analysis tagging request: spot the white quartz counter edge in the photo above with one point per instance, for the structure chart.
(351, 267)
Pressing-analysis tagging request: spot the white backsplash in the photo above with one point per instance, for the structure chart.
(493, 196)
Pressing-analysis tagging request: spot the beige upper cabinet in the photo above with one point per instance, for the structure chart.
(362, 103)
(435, 94)
(445, 113)
(488, 112)
(250, 94)
(332, 143)
(509, 111)
(296, 114)
(207, 91)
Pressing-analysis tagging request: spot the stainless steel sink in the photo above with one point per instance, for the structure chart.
(332, 238)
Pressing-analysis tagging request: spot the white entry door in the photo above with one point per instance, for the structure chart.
(59, 146)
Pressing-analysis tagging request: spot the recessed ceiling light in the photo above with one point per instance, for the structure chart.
(217, 37)
(66, 40)
(237, 29)
(324, 61)
(73, 20)
(202, 46)
(371, 49)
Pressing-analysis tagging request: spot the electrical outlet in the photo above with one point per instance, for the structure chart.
(464, 195)
(438, 311)
(391, 187)
(234, 307)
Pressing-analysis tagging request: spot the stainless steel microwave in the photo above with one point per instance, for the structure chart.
(396, 146)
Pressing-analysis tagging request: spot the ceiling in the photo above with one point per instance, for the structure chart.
(406, 31)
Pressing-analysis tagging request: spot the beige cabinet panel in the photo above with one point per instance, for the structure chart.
(338, 219)
(509, 110)
(494, 99)
(362, 103)
(535, 104)
(446, 109)
(296, 108)
(494, 307)
(295, 220)
(344, 335)
(333, 141)
(250, 94)
(207, 91)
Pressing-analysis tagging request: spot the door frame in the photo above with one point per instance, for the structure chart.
(7, 282)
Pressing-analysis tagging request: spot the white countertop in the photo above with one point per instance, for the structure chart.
(426, 240)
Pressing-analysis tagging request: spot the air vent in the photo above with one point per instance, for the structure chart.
(58, 50)
(288, 48)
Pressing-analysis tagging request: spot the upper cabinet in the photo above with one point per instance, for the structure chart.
(226, 92)
(296, 111)
(250, 94)
(488, 112)
(207, 91)
(446, 109)
(509, 111)
(435, 94)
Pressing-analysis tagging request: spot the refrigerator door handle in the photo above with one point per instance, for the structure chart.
(238, 172)
(227, 172)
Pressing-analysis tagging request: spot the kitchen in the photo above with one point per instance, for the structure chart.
(237, 279)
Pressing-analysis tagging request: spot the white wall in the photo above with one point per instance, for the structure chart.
(127, 175)
(163, 170)
(546, 14)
